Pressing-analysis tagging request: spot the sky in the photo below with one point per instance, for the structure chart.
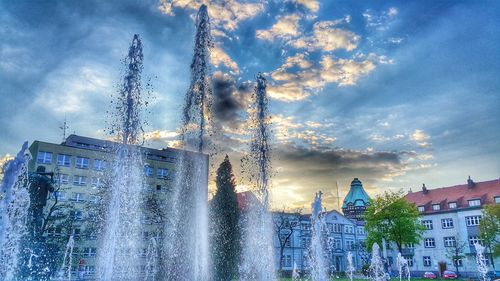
(395, 93)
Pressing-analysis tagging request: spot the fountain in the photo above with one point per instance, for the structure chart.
(186, 235)
(122, 227)
(258, 251)
(65, 270)
(295, 272)
(377, 272)
(316, 252)
(403, 267)
(350, 267)
(151, 260)
(14, 211)
(482, 267)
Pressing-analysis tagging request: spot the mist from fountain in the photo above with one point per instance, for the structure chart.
(65, 270)
(403, 267)
(482, 267)
(377, 272)
(122, 227)
(258, 250)
(317, 260)
(14, 212)
(186, 235)
(151, 260)
(350, 267)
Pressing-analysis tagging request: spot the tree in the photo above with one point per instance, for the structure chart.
(456, 252)
(391, 217)
(225, 232)
(490, 231)
(284, 226)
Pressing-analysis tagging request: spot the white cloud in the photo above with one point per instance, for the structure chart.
(326, 36)
(225, 14)
(312, 5)
(219, 57)
(286, 27)
(380, 21)
(421, 138)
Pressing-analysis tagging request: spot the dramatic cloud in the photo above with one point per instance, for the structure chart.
(285, 28)
(219, 57)
(226, 14)
(326, 36)
(298, 85)
(312, 5)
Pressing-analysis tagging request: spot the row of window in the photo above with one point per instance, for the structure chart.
(448, 222)
(336, 228)
(453, 205)
(450, 241)
(45, 157)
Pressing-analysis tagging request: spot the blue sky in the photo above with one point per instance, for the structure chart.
(396, 93)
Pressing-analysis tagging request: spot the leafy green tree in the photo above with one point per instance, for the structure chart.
(456, 252)
(392, 217)
(225, 232)
(490, 230)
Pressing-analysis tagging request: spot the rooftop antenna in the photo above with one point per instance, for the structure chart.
(64, 127)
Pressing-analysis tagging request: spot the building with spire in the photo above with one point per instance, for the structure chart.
(356, 201)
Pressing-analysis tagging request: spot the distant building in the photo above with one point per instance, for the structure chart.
(451, 215)
(81, 165)
(356, 201)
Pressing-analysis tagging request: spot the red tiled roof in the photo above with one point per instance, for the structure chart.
(246, 199)
(486, 191)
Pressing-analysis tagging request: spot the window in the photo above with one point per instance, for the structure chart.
(305, 242)
(76, 232)
(475, 202)
(44, 157)
(89, 270)
(59, 195)
(305, 226)
(409, 259)
(89, 252)
(335, 227)
(96, 182)
(54, 231)
(361, 230)
(158, 187)
(421, 209)
(497, 199)
(473, 220)
(100, 165)
(288, 241)
(447, 223)
(162, 173)
(148, 171)
(452, 205)
(410, 246)
(337, 244)
(63, 160)
(79, 180)
(349, 244)
(436, 207)
(287, 261)
(474, 240)
(450, 242)
(427, 224)
(429, 243)
(348, 229)
(458, 262)
(77, 197)
(427, 261)
(82, 162)
(62, 179)
(77, 215)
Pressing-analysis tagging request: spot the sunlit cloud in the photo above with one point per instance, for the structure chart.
(286, 27)
(219, 57)
(421, 138)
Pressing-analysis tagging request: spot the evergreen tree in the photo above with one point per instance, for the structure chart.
(225, 230)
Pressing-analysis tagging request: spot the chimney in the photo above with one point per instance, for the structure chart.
(470, 183)
(424, 189)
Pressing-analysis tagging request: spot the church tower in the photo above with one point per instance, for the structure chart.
(356, 201)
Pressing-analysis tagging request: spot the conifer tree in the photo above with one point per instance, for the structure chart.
(225, 230)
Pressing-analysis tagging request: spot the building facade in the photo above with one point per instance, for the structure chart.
(451, 216)
(343, 233)
(81, 166)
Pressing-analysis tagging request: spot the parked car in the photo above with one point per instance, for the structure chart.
(448, 274)
(430, 275)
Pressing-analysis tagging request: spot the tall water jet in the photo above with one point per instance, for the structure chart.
(482, 267)
(14, 212)
(403, 268)
(258, 250)
(65, 270)
(350, 267)
(377, 272)
(122, 226)
(186, 241)
(316, 252)
(295, 272)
